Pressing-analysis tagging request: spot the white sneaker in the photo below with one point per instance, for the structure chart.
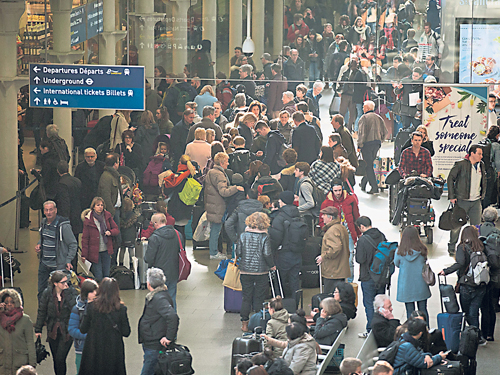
(363, 335)
(218, 256)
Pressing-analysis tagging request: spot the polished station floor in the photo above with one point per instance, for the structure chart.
(204, 326)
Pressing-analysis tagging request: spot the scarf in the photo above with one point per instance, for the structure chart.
(9, 319)
(102, 225)
(361, 31)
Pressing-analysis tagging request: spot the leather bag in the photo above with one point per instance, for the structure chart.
(361, 169)
(428, 275)
(184, 263)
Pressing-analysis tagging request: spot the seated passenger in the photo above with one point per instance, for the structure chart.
(331, 321)
(345, 295)
(276, 325)
(350, 366)
(416, 159)
(383, 323)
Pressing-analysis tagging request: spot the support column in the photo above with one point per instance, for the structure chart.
(258, 30)
(210, 27)
(145, 42)
(180, 12)
(235, 26)
(10, 13)
(107, 41)
(278, 27)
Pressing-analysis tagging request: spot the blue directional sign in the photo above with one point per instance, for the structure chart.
(87, 86)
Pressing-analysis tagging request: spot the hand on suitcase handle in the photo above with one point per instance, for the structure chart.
(164, 341)
(38, 335)
(319, 259)
(3, 250)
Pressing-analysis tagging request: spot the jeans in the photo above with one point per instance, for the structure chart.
(43, 277)
(488, 314)
(289, 265)
(346, 104)
(101, 269)
(78, 360)
(422, 306)
(313, 72)
(370, 290)
(369, 152)
(213, 242)
(172, 291)
(60, 349)
(470, 301)
(117, 241)
(351, 259)
(473, 210)
(254, 288)
(150, 361)
(359, 111)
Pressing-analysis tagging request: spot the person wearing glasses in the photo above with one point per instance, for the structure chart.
(54, 310)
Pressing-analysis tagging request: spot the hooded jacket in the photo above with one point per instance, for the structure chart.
(327, 329)
(18, 347)
(235, 224)
(411, 284)
(66, 244)
(146, 138)
(216, 189)
(91, 235)
(74, 324)
(158, 319)
(276, 329)
(163, 252)
(335, 251)
(347, 207)
(300, 355)
(365, 252)
(254, 250)
(273, 150)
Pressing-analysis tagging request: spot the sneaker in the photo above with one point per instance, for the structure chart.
(363, 335)
(218, 256)
(482, 342)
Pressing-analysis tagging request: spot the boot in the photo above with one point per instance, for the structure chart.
(244, 325)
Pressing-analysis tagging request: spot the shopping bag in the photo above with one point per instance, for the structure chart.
(202, 232)
(232, 278)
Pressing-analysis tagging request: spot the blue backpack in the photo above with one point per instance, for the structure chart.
(382, 266)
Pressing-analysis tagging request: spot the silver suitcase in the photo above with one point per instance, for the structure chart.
(140, 252)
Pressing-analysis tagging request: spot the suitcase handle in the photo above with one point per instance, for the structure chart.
(279, 283)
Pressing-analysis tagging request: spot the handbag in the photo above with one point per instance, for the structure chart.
(445, 220)
(361, 169)
(190, 192)
(220, 272)
(41, 352)
(184, 263)
(202, 232)
(232, 277)
(335, 105)
(428, 275)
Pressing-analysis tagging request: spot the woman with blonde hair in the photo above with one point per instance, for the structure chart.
(256, 259)
(206, 97)
(210, 136)
(199, 150)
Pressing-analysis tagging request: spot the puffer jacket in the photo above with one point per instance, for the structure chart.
(216, 189)
(47, 309)
(254, 250)
(300, 355)
(327, 329)
(277, 230)
(276, 329)
(74, 324)
(235, 224)
(18, 347)
(158, 320)
(409, 357)
(459, 180)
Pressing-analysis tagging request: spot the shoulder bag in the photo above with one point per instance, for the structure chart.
(184, 263)
(428, 275)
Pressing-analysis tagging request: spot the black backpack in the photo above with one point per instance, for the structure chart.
(296, 234)
(485, 144)
(389, 354)
(239, 161)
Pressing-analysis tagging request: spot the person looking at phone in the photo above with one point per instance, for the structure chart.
(383, 323)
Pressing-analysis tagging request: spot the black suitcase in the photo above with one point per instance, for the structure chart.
(245, 347)
(445, 368)
(317, 298)
(290, 304)
(469, 342)
(401, 138)
(311, 251)
(448, 297)
(174, 360)
(469, 365)
(309, 275)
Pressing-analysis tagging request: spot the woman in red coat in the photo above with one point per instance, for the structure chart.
(97, 242)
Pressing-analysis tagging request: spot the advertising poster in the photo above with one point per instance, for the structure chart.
(479, 54)
(456, 118)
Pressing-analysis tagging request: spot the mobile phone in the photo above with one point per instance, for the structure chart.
(381, 310)
(447, 352)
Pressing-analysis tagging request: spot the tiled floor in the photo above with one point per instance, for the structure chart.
(204, 326)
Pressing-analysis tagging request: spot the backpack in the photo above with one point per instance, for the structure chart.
(265, 189)
(183, 98)
(382, 266)
(389, 353)
(190, 192)
(281, 161)
(296, 234)
(478, 271)
(492, 250)
(318, 197)
(485, 144)
(239, 161)
(154, 168)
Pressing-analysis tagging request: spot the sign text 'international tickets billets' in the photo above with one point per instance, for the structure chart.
(87, 86)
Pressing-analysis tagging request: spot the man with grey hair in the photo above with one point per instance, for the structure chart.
(89, 171)
(371, 134)
(315, 95)
(159, 322)
(163, 252)
(57, 245)
(350, 366)
(207, 122)
(383, 323)
(58, 144)
(490, 216)
(247, 80)
(288, 102)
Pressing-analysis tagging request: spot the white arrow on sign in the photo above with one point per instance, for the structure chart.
(142, 45)
(36, 79)
(36, 90)
(36, 69)
(36, 100)
(64, 102)
(141, 27)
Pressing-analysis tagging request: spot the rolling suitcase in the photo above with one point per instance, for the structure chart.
(450, 324)
(6, 258)
(446, 368)
(197, 212)
(245, 347)
(311, 251)
(290, 304)
(259, 319)
(382, 167)
(140, 252)
(232, 300)
(309, 276)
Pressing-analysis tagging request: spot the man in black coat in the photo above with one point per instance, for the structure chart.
(180, 133)
(305, 140)
(163, 252)
(293, 70)
(159, 322)
(410, 85)
(272, 152)
(384, 324)
(247, 81)
(90, 171)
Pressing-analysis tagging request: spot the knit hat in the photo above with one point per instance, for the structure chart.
(287, 197)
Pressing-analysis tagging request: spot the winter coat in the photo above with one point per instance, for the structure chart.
(276, 329)
(287, 179)
(272, 151)
(90, 176)
(205, 123)
(109, 188)
(128, 227)
(246, 133)
(254, 250)
(365, 252)
(277, 230)
(294, 72)
(411, 284)
(104, 352)
(300, 355)
(335, 251)
(47, 309)
(459, 180)
(68, 200)
(216, 189)
(327, 329)
(66, 244)
(348, 144)
(153, 100)
(163, 252)
(277, 87)
(306, 142)
(18, 347)
(49, 173)
(409, 357)
(158, 319)
(384, 329)
(204, 100)
(348, 209)
(462, 262)
(146, 139)
(91, 234)
(75, 320)
(235, 224)
(133, 159)
(272, 189)
(199, 151)
(371, 128)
